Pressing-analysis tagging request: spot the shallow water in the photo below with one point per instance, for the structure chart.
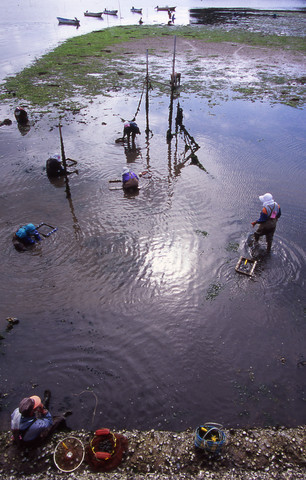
(134, 302)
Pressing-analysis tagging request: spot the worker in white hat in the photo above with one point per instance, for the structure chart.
(267, 221)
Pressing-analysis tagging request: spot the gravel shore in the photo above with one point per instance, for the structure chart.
(263, 454)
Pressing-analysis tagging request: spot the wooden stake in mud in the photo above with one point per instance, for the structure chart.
(173, 63)
(169, 132)
(147, 95)
(68, 194)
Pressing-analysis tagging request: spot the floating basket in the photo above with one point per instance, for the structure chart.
(45, 230)
(69, 454)
(210, 437)
(246, 266)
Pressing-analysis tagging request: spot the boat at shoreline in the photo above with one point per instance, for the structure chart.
(68, 21)
(93, 14)
(165, 9)
(136, 10)
(110, 12)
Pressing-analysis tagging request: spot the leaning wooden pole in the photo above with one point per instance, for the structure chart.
(68, 194)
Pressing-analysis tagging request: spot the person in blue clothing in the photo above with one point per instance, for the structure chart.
(130, 128)
(26, 236)
(130, 181)
(30, 420)
(32, 423)
(267, 221)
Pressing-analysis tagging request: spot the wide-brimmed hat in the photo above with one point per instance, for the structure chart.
(266, 198)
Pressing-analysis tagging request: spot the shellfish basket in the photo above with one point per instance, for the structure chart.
(210, 437)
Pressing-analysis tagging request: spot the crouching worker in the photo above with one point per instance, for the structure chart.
(26, 236)
(130, 181)
(130, 128)
(21, 116)
(32, 423)
(55, 168)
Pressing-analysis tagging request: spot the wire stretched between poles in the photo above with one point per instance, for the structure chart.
(139, 104)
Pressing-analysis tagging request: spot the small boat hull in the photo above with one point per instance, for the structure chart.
(93, 14)
(136, 10)
(68, 21)
(110, 12)
(165, 9)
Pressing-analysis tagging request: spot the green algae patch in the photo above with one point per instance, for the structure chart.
(203, 233)
(100, 63)
(232, 247)
(213, 291)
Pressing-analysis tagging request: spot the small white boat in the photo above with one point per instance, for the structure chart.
(93, 14)
(68, 21)
(110, 12)
(136, 10)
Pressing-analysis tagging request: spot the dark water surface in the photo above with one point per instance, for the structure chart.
(135, 301)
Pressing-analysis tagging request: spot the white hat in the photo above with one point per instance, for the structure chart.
(125, 170)
(266, 199)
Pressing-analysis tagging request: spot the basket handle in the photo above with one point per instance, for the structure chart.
(217, 425)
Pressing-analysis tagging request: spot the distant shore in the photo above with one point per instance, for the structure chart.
(213, 63)
(248, 454)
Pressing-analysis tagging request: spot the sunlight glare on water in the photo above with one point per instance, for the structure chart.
(139, 292)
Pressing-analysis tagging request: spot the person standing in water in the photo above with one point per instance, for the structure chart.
(267, 221)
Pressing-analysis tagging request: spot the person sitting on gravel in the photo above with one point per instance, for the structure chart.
(32, 423)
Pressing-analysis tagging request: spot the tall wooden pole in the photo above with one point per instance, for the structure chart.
(172, 83)
(147, 95)
(173, 63)
(68, 194)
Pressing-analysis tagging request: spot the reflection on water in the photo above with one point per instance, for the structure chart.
(136, 298)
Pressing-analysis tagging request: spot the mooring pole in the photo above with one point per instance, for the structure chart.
(173, 63)
(119, 9)
(172, 83)
(147, 95)
(68, 194)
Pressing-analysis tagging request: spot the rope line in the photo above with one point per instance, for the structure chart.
(138, 108)
(90, 391)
